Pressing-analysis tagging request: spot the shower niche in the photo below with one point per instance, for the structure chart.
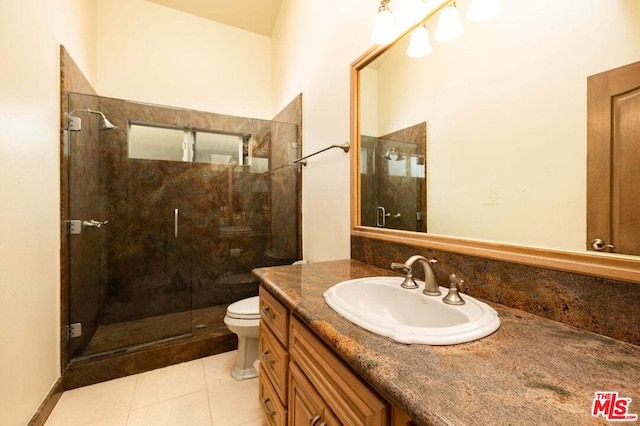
(190, 200)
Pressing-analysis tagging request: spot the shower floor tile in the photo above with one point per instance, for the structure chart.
(194, 393)
(111, 337)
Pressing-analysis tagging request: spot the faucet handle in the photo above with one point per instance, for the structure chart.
(408, 282)
(402, 266)
(453, 298)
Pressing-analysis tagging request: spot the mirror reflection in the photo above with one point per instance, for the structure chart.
(505, 113)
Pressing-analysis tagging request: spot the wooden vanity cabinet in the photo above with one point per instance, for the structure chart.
(274, 358)
(350, 401)
(306, 405)
(302, 382)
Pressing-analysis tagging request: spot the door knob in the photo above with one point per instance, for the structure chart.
(598, 244)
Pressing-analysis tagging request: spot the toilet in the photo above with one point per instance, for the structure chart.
(243, 318)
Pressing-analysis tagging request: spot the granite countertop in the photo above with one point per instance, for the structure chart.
(530, 371)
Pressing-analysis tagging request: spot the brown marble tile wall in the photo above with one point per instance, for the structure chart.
(225, 228)
(607, 307)
(71, 80)
(399, 195)
(92, 371)
(368, 181)
(287, 179)
(210, 262)
(84, 204)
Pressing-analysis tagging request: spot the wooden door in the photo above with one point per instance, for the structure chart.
(613, 159)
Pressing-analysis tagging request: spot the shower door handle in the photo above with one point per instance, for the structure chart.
(381, 217)
(176, 213)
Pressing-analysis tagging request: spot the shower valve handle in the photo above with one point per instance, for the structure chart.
(94, 223)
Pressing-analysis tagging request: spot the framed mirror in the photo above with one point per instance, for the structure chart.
(509, 130)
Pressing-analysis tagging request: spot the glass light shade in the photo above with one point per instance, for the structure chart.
(419, 45)
(384, 28)
(449, 25)
(483, 10)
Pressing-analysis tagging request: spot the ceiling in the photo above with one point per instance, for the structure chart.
(258, 16)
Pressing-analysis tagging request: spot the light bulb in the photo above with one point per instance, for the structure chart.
(483, 10)
(384, 27)
(449, 25)
(419, 44)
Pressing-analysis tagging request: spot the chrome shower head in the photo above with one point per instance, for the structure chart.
(105, 124)
(74, 123)
(387, 155)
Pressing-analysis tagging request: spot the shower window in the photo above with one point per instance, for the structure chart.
(219, 148)
(150, 142)
(157, 143)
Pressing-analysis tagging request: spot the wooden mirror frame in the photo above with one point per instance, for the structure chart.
(611, 266)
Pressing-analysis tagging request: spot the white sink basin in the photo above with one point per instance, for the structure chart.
(381, 306)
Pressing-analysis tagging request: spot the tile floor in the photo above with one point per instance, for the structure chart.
(194, 393)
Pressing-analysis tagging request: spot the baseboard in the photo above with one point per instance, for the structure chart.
(47, 405)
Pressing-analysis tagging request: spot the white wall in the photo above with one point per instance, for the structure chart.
(314, 44)
(30, 34)
(155, 54)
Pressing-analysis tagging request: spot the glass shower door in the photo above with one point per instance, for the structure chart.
(129, 278)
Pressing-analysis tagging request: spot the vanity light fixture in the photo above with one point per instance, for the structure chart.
(483, 10)
(449, 25)
(384, 27)
(419, 45)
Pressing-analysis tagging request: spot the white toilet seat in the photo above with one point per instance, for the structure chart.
(245, 309)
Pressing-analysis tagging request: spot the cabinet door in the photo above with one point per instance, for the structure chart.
(306, 406)
(351, 400)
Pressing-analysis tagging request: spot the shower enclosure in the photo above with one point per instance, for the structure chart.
(169, 211)
(393, 180)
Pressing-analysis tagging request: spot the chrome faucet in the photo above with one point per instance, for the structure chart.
(431, 286)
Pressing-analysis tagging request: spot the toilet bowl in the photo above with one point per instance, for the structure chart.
(243, 319)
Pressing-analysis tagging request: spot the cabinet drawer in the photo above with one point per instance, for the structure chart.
(275, 361)
(351, 400)
(274, 411)
(275, 315)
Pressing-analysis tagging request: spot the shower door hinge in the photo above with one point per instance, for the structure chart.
(74, 124)
(74, 226)
(75, 330)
